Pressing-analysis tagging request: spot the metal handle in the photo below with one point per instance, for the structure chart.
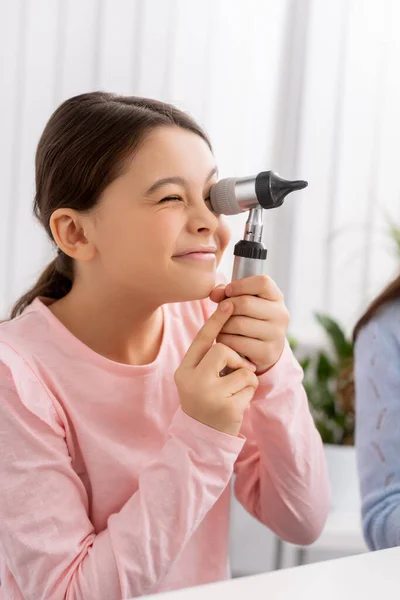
(245, 267)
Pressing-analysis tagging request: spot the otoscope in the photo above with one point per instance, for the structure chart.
(232, 196)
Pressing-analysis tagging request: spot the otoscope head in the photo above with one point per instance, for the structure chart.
(266, 190)
(271, 189)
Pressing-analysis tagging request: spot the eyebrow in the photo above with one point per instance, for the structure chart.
(177, 180)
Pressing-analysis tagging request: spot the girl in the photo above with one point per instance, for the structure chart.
(118, 437)
(377, 382)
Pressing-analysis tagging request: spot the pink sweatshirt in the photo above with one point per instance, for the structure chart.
(109, 490)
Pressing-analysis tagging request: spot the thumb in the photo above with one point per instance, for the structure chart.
(218, 293)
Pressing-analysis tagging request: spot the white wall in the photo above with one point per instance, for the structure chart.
(348, 148)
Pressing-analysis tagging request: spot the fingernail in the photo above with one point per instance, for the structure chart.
(228, 290)
(225, 306)
(251, 365)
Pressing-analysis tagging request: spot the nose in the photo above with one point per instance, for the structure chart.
(202, 218)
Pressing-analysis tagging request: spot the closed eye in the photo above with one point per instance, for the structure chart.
(170, 199)
(175, 198)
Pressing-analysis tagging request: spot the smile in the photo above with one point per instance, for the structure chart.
(199, 256)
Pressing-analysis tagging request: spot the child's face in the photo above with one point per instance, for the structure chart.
(140, 236)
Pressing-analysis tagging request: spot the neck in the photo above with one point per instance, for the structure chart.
(126, 330)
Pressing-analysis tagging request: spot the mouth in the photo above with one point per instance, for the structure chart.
(205, 254)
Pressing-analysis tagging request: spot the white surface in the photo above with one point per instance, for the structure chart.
(366, 576)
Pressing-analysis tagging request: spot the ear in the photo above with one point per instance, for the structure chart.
(70, 231)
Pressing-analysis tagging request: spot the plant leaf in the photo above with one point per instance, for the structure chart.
(325, 368)
(343, 348)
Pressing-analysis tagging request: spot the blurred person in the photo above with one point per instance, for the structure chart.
(118, 436)
(377, 385)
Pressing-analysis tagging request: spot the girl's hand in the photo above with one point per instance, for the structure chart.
(216, 401)
(258, 326)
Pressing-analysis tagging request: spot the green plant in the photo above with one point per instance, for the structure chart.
(328, 381)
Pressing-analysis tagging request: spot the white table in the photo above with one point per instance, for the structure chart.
(370, 576)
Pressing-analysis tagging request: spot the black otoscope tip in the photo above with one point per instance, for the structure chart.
(300, 184)
(271, 189)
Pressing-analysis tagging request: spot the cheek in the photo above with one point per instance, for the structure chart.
(224, 233)
(147, 236)
(164, 229)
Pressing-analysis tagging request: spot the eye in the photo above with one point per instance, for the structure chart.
(170, 199)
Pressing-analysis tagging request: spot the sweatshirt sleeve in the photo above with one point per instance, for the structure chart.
(377, 379)
(47, 540)
(281, 474)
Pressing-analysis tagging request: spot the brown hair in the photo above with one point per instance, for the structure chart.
(83, 148)
(392, 292)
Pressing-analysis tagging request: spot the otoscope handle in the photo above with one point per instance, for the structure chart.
(245, 267)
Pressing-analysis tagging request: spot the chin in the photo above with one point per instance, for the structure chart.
(194, 288)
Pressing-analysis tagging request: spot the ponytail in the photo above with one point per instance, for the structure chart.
(55, 282)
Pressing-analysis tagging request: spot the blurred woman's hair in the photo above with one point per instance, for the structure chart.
(389, 294)
(83, 148)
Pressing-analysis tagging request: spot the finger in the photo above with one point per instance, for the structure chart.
(257, 285)
(207, 335)
(248, 327)
(218, 294)
(241, 379)
(220, 356)
(253, 349)
(253, 307)
(243, 398)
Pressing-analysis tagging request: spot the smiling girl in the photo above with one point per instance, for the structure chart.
(118, 436)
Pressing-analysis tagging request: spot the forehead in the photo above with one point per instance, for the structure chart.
(168, 152)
